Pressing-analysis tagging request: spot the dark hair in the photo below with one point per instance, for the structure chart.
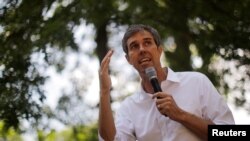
(137, 28)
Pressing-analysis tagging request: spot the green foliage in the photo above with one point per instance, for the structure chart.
(213, 28)
(9, 134)
(76, 133)
(26, 31)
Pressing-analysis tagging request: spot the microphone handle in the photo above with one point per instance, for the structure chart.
(156, 85)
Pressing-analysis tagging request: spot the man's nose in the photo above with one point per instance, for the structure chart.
(141, 47)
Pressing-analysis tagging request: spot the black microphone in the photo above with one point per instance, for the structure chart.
(151, 74)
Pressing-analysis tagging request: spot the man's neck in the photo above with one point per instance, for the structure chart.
(161, 76)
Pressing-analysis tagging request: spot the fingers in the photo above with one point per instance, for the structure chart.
(157, 95)
(163, 102)
(160, 95)
(105, 80)
(163, 108)
(105, 61)
(166, 105)
(162, 99)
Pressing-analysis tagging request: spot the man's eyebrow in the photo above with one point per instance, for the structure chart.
(134, 42)
(148, 39)
(145, 39)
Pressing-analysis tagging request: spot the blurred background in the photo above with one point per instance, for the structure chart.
(50, 52)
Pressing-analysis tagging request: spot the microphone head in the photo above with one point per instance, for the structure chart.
(150, 72)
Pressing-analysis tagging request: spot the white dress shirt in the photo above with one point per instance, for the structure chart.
(139, 119)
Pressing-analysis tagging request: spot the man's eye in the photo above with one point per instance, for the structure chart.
(133, 47)
(147, 43)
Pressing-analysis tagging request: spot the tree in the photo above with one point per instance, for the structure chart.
(205, 29)
(9, 135)
(78, 133)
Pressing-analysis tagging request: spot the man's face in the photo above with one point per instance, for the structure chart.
(143, 51)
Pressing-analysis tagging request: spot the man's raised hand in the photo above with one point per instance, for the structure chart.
(105, 80)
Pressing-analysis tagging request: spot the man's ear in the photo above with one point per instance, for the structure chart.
(160, 49)
(127, 57)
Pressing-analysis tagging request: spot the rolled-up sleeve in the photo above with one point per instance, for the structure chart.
(215, 107)
(124, 126)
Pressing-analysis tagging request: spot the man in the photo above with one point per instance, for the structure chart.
(183, 110)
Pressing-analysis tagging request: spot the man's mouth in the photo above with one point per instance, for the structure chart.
(144, 60)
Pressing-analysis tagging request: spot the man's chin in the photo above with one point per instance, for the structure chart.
(144, 66)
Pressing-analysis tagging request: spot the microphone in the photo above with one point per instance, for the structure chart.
(151, 74)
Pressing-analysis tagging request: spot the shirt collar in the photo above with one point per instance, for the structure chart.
(172, 76)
